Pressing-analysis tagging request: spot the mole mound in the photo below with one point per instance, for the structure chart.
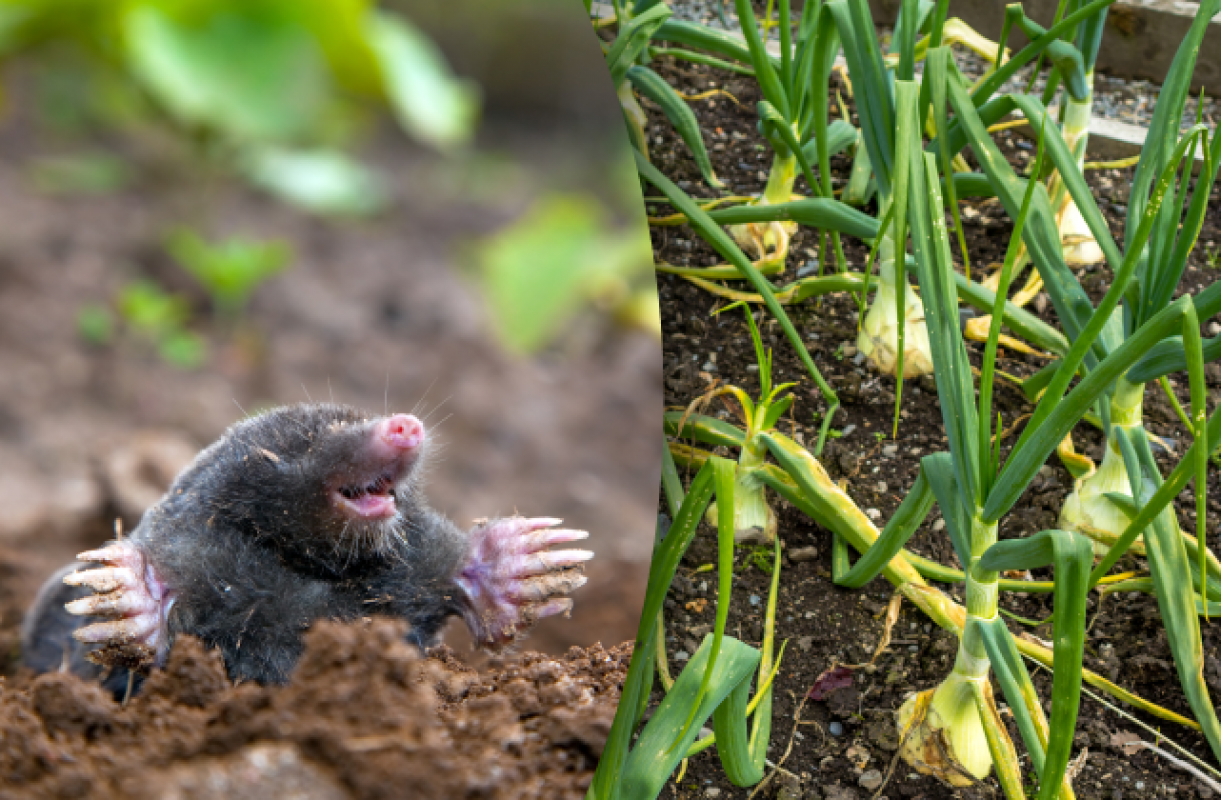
(364, 716)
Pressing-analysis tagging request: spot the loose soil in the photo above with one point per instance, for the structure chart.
(826, 625)
(364, 717)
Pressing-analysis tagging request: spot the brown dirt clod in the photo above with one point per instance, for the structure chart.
(364, 717)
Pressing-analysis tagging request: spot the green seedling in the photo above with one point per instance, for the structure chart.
(230, 270)
(754, 519)
(160, 319)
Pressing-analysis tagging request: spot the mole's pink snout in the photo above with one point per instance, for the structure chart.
(401, 432)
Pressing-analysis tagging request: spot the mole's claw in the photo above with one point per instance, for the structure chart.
(116, 554)
(541, 539)
(559, 605)
(511, 579)
(543, 562)
(542, 588)
(119, 631)
(130, 594)
(105, 579)
(119, 602)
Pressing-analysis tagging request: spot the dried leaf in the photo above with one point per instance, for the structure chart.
(839, 677)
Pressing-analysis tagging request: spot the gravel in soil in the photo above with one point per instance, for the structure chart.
(844, 745)
(365, 716)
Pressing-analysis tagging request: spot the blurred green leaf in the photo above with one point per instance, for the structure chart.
(230, 270)
(149, 310)
(242, 70)
(318, 181)
(430, 102)
(540, 271)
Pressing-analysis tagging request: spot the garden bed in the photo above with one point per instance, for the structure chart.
(826, 625)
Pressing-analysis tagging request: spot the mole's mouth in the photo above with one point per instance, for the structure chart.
(374, 500)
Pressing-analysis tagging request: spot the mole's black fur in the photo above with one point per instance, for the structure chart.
(250, 543)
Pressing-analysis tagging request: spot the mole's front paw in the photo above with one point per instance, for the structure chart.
(129, 594)
(512, 580)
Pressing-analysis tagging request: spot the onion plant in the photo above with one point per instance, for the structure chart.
(787, 119)
(978, 491)
(638, 23)
(954, 730)
(754, 517)
(1076, 110)
(1148, 268)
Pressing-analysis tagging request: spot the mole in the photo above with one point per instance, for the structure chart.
(301, 513)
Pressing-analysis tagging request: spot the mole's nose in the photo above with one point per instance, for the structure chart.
(402, 431)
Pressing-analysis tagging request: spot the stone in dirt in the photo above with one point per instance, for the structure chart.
(801, 554)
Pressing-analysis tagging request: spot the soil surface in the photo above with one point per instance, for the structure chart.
(843, 746)
(364, 717)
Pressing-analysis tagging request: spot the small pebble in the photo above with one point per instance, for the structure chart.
(682, 655)
(848, 429)
(870, 779)
(752, 367)
(882, 487)
(712, 791)
(849, 349)
(811, 266)
(801, 554)
(873, 513)
(890, 450)
(708, 367)
(858, 359)
(939, 525)
(1215, 329)
(755, 600)
(836, 728)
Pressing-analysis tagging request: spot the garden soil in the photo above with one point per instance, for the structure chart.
(842, 747)
(364, 717)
